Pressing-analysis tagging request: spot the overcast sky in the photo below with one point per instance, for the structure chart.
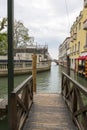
(49, 21)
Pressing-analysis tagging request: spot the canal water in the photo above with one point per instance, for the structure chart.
(50, 81)
(47, 82)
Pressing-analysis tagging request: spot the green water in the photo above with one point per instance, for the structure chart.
(4, 84)
(4, 124)
(48, 82)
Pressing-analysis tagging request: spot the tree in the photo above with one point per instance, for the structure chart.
(3, 37)
(3, 44)
(21, 36)
(3, 23)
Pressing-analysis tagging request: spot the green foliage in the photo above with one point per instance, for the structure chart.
(3, 37)
(3, 23)
(21, 36)
(3, 43)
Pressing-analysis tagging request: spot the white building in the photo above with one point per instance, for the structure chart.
(64, 51)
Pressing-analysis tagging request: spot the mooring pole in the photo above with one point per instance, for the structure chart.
(34, 60)
(68, 65)
(10, 10)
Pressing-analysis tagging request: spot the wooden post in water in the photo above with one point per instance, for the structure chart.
(86, 68)
(34, 60)
(68, 65)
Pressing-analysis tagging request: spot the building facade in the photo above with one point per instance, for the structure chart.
(64, 51)
(75, 46)
(78, 33)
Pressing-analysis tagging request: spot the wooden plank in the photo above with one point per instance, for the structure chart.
(49, 112)
(3, 103)
(3, 107)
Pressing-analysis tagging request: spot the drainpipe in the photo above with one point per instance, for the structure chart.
(86, 68)
(86, 40)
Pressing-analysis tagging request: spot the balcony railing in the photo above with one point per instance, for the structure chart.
(74, 36)
(85, 25)
(85, 3)
(71, 39)
(85, 47)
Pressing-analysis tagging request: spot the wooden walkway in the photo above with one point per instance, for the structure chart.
(3, 107)
(49, 112)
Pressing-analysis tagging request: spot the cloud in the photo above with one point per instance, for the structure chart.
(3, 8)
(47, 20)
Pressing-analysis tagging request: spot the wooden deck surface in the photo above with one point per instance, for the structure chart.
(49, 112)
(3, 107)
(3, 103)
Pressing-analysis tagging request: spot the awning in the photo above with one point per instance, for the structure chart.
(81, 58)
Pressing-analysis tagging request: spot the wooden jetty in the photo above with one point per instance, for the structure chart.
(49, 112)
(65, 111)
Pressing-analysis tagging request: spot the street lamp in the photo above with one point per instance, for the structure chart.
(10, 8)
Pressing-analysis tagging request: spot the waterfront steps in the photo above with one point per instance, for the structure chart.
(49, 112)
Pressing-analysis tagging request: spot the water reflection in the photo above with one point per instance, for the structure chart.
(50, 81)
(4, 84)
(79, 78)
(4, 123)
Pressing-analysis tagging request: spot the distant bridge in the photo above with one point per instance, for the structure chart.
(56, 61)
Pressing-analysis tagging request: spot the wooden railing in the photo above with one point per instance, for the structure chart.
(75, 96)
(21, 101)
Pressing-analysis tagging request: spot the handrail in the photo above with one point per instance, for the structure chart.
(75, 96)
(21, 101)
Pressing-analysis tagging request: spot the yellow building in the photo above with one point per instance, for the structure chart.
(78, 34)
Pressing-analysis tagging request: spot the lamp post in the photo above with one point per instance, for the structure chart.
(10, 8)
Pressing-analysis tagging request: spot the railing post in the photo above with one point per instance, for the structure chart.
(74, 101)
(34, 57)
(13, 121)
(62, 84)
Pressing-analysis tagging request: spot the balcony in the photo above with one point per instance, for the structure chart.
(85, 47)
(74, 36)
(85, 3)
(71, 39)
(68, 52)
(78, 52)
(85, 25)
